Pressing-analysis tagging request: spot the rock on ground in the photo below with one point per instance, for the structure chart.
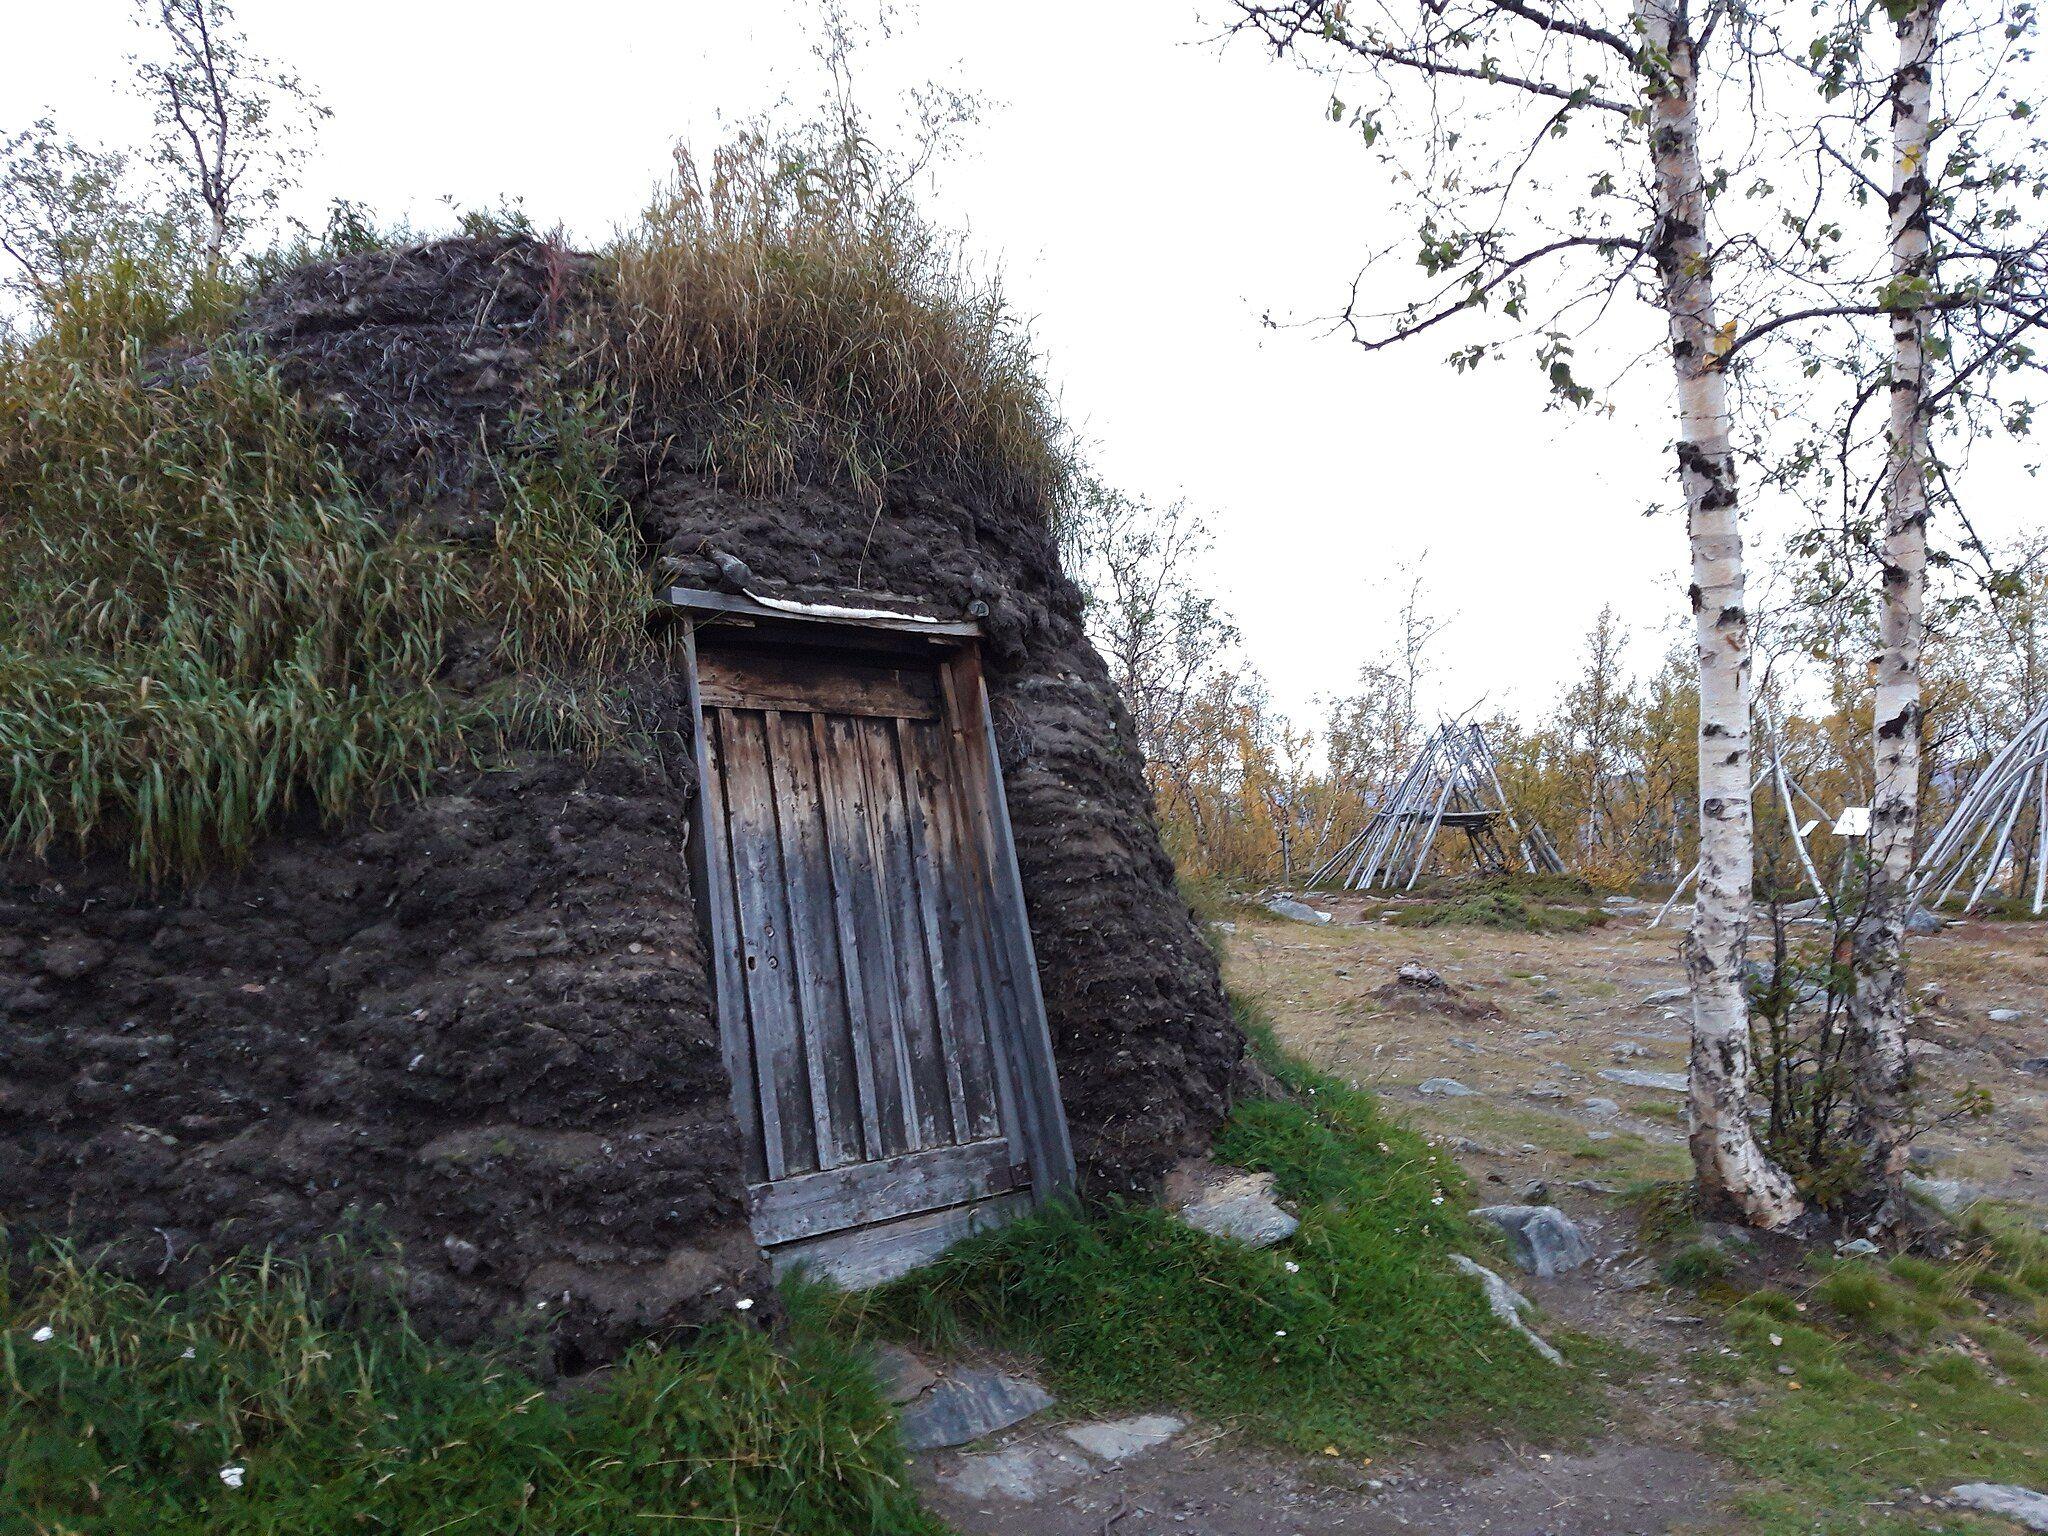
(1636, 1077)
(1447, 1088)
(1120, 1439)
(2007, 1500)
(967, 1403)
(1543, 1239)
(1507, 1304)
(1295, 911)
(1025, 1473)
(1240, 1207)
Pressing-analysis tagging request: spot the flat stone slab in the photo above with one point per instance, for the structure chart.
(1447, 1088)
(1638, 1077)
(1295, 911)
(1121, 1439)
(1665, 997)
(1023, 1473)
(1242, 1209)
(2009, 1501)
(1542, 1238)
(2004, 1016)
(968, 1403)
(901, 1375)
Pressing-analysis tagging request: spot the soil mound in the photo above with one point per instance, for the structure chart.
(478, 1025)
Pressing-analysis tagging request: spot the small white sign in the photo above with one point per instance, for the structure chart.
(1853, 822)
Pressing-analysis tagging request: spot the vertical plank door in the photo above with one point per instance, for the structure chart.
(891, 1072)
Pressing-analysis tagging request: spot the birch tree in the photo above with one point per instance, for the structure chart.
(1960, 301)
(1879, 1064)
(1503, 238)
(231, 124)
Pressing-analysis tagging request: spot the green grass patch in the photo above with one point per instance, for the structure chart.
(1369, 1334)
(1886, 1377)
(132, 1413)
(1507, 911)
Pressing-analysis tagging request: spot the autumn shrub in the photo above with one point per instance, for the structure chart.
(800, 323)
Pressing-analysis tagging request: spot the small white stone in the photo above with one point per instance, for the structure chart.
(744, 1304)
(232, 1475)
(43, 1335)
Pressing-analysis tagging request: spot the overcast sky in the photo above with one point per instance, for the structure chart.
(1150, 194)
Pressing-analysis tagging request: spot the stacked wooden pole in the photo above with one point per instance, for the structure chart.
(1979, 837)
(1453, 784)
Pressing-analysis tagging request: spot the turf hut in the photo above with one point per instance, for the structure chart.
(543, 765)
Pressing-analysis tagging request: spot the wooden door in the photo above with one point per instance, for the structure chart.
(881, 1021)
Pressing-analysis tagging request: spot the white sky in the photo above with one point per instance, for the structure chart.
(1150, 196)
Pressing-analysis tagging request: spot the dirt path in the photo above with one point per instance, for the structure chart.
(1548, 1015)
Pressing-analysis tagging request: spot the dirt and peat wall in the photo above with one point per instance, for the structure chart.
(473, 1034)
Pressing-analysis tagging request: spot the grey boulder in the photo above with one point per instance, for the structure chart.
(1542, 1238)
(1922, 922)
(1295, 911)
(1242, 1209)
(2022, 1506)
(968, 1403)
(1447, 1088)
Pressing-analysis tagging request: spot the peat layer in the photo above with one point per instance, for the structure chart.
(476, 1028)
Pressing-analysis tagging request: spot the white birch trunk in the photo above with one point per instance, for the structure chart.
(1877, 1012)
(1728, 1161)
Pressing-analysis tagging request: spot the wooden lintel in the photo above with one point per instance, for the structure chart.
(729, 605)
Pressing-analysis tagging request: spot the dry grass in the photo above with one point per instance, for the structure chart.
(799, 326)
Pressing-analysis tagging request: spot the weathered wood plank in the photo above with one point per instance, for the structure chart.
(861, 1193)
(864, 939)
(717, 924)
(864, 1257)
(765, 961)
(785, 680)
(976, 1020)
(1033, 1067)
(814, 944)
(918, 1003)
(929, 883)
(843, 881)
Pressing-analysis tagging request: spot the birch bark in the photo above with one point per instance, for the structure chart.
(1877, 1012)
(1728, 1161)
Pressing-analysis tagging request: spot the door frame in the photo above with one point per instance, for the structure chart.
(953, 648)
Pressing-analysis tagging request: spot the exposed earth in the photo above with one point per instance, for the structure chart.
(1531, 1023)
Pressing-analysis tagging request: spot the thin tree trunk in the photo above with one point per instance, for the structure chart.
(1880, 1069)
(1727, 1159)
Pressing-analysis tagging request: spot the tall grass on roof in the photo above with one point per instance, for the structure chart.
(207, 625)
(797, 320)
